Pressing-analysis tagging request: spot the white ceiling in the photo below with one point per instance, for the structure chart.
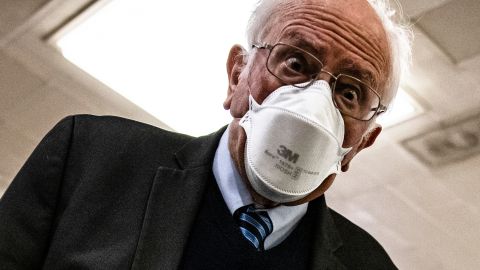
(427, 218)
(454, 28)
(415, 8)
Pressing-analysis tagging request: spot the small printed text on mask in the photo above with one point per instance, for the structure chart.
(284, 159)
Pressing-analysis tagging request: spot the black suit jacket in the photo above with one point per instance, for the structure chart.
(111, 193)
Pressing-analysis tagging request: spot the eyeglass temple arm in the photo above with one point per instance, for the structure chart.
(380, 109)
(262, 46)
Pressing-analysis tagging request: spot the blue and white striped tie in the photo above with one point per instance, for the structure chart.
(255, 225)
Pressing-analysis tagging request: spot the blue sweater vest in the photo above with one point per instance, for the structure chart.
(215, 241)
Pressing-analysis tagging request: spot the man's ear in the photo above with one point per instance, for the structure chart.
(371, 136)
(367, 140)
(235, 65)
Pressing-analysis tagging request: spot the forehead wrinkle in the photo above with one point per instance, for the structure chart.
(308, 13)
(363, 38)
(327, 14)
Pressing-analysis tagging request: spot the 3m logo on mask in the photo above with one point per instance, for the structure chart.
(287, 154)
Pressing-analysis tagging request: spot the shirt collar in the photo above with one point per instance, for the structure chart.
(236, 195)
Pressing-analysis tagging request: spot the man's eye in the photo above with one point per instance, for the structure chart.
(296, 64)
(349, 93)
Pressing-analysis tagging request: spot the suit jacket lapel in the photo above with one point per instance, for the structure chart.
(174, 199)
(175, 196)
(326, 238)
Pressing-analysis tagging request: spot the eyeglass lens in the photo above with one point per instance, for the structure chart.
(295, 66)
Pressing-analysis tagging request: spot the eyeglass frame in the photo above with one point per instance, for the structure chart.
(378, 110)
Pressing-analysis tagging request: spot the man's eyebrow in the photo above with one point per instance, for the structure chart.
(315, 48)
(348, 67)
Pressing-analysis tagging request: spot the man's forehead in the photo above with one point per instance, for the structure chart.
(356, 8)
(352, 15)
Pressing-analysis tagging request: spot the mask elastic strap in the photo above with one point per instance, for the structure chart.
(253, 104)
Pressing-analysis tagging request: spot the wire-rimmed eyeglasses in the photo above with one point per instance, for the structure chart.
(295, 66)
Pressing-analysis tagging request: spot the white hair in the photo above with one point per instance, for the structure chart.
(399, 34)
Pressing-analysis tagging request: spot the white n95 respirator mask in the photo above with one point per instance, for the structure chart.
(294, 141)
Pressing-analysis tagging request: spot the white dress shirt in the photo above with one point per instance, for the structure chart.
(236, 195)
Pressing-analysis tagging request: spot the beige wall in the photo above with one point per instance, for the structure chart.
(38, 86)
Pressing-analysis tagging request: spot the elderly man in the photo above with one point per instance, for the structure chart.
(110, 193)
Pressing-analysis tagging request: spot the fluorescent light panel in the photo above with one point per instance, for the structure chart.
(167, 57)
(404, 107)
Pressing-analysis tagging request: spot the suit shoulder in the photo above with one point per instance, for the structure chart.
(110, 121)
(360, 250)
(112, 132)
(118, 126)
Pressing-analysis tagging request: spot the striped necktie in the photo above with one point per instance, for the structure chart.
(254, 225)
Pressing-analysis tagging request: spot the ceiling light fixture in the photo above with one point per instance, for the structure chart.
(170, 66)
(404, 107)
(167, 59)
